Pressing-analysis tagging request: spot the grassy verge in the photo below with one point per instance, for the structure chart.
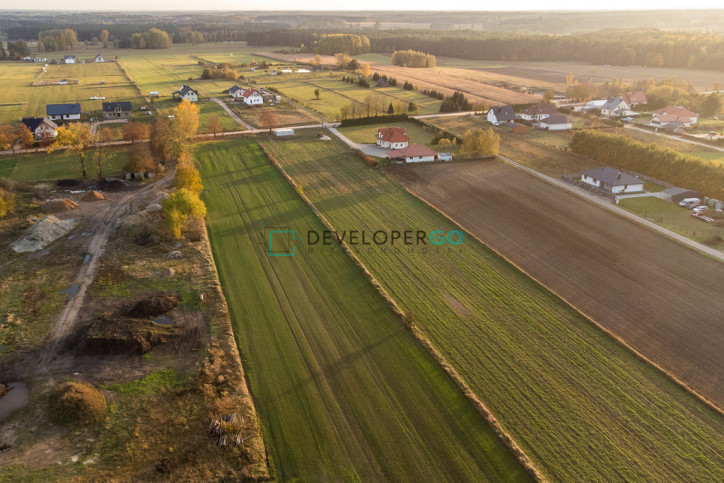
(343, 390)
(59, 165)
(579, 404)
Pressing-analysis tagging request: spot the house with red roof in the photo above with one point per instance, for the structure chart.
(673, 114)
(635, 98)
(538, 112)
(392, 138)
(415, 153)
(253, 97)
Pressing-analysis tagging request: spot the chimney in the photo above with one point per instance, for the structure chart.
(618, 176)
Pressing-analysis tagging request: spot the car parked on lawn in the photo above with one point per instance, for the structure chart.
(700, 209)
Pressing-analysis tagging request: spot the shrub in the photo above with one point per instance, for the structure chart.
(7, 202)
(193, 228)
(180, 206)
(79, 402)
(188, 178)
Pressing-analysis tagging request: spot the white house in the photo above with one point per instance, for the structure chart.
(445, 156)
(253, 97)
(392, 138)
(69, 59)
(556, 122)
(612, 180)
(187, 93)
(63, 112)
(236, 92)
(41, 127)
(500, 115)
(415, 153)
(673, 114)
(615, 107)
(538, 112)
(99, 58)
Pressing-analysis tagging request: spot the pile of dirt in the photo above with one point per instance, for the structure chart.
(154, 306)
(112, 184)
(73, 402)
(60, 205)
(69, 182)
(123, 335)
(147, 240)
(43, 233)
(93, 196)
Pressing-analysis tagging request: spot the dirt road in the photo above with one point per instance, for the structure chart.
(662, 298)
(102, 224)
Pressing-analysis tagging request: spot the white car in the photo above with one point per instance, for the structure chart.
(700, 209)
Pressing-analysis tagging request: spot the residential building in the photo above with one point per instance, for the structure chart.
(635, 98)
(236, 92)
(415, 153)
(69, 59)
(41, 127)
(615, 107)
(556, 122)
(252, 97)
(671, 114)
(392, 138)
(99, 58)
(500, 115)
(63, 112)
(538, 112)
(676, 194)
(187, 93)
(612, 180)
(117, 110)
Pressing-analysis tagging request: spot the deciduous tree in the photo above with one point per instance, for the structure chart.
(213, 126)
(77, 138)
(268, 119)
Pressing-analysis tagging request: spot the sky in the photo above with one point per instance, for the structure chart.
(368, 5)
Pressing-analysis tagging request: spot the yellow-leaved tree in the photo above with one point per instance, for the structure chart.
(184, 128)
(77, 138)
(480, 143)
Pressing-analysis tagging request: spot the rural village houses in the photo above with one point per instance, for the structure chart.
(635, 98)
(69, 59)
(236, 92)
(556, 122)
(612, 180)
(63, 112)
(392, 138)
(41, 127)
(117, 110)
(615, 107)
(500, 115)
(99, 58)
(538, 112)
(673, 114)
(415, 153)
(187, 93)
(252, 97)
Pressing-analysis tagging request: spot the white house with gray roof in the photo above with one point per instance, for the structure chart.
(612, 180)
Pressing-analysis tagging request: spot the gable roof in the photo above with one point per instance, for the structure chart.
(393, 134)
(411, 151)
(612, 103)
(556, 119)
(675, 113)
(541, 108)
(34, 122)
(60, 109)
(503, 113)
(612, 176)
(636, 97)
(111, 106)
(250, 92)
(185, 90)
(69, 56)
(233, 89)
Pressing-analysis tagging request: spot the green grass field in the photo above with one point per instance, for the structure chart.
(344, 392)
(21, 98)
(671, 216)
(368, 134)
(59, 165)
(579, 404)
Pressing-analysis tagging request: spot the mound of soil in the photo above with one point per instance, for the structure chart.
(154, 306)
(60, 205)
(68, 182)
(147, 240)
(112, 184)
(42, 233)
(124, 336)
(93, 196)
(76, 402)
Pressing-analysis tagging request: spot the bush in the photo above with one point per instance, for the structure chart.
(7, 202)
(193, 228)
(76, 402)
(188, 178)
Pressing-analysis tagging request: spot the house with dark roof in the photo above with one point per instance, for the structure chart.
(69, 59)
(635, 98)
(392, 138)
(498, 115)
(612, 180)
(538, 112)
(63, 112)
(415, 153)
(187, 93)
(236, 92)
(676, 194)
(117, 110)
(41, 127)
(99, 58)
(615, 107)
(556, 122)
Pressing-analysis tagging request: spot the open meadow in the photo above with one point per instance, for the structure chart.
(568, 393)
(343, 390)
(59, 165)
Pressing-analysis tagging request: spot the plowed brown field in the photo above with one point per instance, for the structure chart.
(662, 298)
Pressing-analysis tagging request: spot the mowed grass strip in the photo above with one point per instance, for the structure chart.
(344, 392)
(580, 405)
(59, 165)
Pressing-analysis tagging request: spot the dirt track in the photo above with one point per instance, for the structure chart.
(662, 298)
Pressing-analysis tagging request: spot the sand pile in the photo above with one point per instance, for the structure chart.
(93, 196)
(43, 233)
(60, 205)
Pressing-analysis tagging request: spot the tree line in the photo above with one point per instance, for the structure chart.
(153, 39)
(413, 58)
(330, 44)
(621, 152)
(13, 50)
(52, 40)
